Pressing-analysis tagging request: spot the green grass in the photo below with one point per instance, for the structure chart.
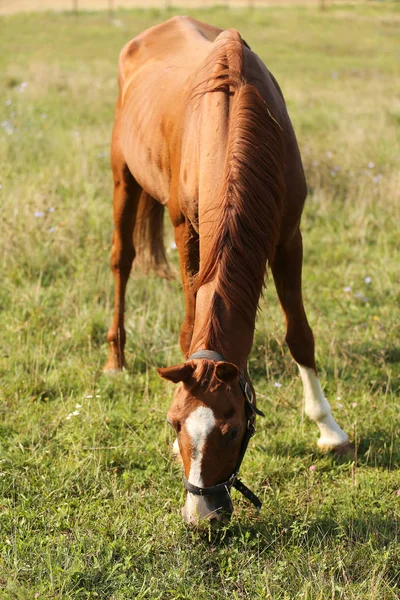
(90, 505)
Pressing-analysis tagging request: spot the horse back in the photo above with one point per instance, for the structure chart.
(154, 74)
(163, 125)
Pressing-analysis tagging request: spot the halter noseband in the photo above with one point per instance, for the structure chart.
(251, 411)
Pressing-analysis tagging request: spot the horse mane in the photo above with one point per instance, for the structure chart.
(204, 374)
(204, 377)
(251, 193)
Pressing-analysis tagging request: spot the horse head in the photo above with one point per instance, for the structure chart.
(213, 416)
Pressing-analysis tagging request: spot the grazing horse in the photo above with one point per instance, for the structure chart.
(201, 127)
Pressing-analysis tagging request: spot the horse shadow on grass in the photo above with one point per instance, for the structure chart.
(377, 449)
(374, 448)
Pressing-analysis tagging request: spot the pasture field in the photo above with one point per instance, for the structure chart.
(90, 497)
(15, 6)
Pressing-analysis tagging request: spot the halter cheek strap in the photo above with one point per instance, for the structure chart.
(251, 411)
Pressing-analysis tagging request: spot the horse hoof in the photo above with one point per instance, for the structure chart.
(111, 368)
(346, 450)
(176, 452)
(108, 371)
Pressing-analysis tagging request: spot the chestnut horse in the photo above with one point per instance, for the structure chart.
(201, 127)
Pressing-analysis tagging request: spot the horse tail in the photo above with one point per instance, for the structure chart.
(251, 192)
(148, 237)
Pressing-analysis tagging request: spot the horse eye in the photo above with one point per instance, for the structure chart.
(176, 425)
(233, 434)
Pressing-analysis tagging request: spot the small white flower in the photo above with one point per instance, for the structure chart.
(329, 154)
(23, 86)
(7, 126)
(338, 397)
(173, 246)
(371, 165)
(347, 289)
(52, 229)
(38, 213)
(44, 116)
(69, 416)
(277, 384)
(88, 397)
(8, 102)
(367, 280)
(51, 209)
(98, 396)
(78, 405)
(75, 413)
(377, 178)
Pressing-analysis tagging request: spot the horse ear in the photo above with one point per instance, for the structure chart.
(226, 372)
(177, 373)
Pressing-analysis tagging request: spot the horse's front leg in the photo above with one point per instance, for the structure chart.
(187, 243)
(286, 270)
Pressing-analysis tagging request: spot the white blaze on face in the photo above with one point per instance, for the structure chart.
(198, 425)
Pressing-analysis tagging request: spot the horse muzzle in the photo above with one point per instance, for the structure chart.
(215, 508)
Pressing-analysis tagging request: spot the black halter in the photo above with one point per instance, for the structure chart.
(251, 411)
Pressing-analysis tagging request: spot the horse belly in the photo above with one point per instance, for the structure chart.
(146, 140)
(145, 164)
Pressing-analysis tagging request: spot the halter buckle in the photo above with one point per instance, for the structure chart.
(250, 428)
(247, 392)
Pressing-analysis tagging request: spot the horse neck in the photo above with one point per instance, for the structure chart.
(222, 329)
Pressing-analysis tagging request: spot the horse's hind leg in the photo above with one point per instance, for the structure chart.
(286, 270)
(126, 199)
